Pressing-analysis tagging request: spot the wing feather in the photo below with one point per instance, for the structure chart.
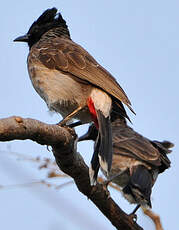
(65, 55)
(129, 143)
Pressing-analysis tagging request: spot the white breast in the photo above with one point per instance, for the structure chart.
(61, 92)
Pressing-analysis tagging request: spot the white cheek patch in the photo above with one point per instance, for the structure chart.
(101, 101)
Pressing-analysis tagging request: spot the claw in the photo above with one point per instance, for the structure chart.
(48, 148)
(105, 187)
(133, 216)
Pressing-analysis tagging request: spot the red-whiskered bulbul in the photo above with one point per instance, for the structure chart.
(71, 81)
(136, 163)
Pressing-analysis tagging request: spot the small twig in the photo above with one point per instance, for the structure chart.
(155, 218)
(64, 184)
(12, 186)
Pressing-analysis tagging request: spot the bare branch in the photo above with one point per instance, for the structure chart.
(69, 161)
(17, 128)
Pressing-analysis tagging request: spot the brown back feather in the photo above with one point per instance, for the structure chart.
(127, 142)
(65, 55)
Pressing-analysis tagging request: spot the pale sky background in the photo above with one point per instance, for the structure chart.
(138, 42)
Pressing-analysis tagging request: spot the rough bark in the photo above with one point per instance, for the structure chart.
(63, 142)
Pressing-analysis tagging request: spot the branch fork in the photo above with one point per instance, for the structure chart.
(63, 143)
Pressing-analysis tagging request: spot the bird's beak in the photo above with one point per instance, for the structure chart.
(24, 38)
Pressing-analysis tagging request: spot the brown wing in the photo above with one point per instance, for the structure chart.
(129, 143)
(164, 149)
(65, 55)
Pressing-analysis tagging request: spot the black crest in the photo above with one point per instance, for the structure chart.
(51, 21)
(49, 17)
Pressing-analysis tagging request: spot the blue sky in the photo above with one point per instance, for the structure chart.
(138, 42)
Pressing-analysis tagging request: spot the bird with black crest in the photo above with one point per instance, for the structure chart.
(72, 82)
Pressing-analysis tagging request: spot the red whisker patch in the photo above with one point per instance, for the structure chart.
(92, 111)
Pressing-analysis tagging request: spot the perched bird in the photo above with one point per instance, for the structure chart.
(136, 163)
(71, 81)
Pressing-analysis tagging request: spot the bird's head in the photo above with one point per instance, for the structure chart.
(48, 20)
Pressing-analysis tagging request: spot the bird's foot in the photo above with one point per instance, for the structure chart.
(70, 129)
(105, 187)
(133, 216)
(72, 125)
(106, 183)
(62, 123)
(92, 192)
(94, 188)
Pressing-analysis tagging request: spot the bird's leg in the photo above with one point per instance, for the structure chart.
(132, 214)
(75, 124)
(106, 182)
(135, 209)
(69, 116)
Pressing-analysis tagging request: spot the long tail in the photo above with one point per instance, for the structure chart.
(105, 147)
(102, 155)
(100, 105)
(94, 168)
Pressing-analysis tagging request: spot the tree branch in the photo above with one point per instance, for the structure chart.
(63, 142)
